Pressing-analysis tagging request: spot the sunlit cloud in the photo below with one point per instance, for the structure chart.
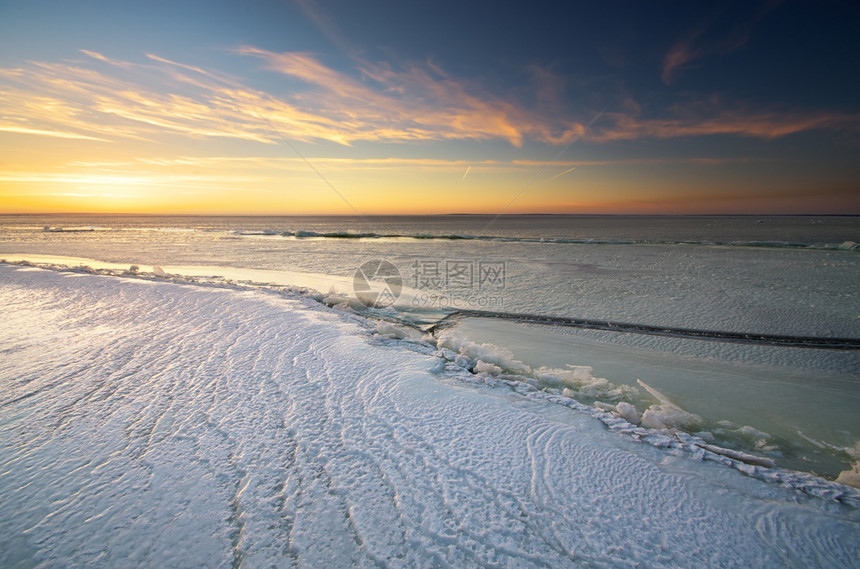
(234, 164)
(147, 100)
(757, 124)
(102, 99)
(177, 175)
(701, 161)
(70, 195)
(131, 178)
(415, 103)
(53, 133)
(166, 98)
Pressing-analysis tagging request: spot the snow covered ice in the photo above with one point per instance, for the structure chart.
(156, 424)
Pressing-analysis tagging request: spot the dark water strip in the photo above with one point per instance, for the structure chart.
(711, 335)
(303, 234)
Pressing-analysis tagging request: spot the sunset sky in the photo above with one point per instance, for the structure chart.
(401, 107)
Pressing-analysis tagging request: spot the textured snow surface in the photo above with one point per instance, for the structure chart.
(147, 424)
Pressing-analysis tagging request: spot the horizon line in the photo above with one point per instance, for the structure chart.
(450, 214)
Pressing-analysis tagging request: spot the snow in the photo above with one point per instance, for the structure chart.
(147, 423)
(795, 406)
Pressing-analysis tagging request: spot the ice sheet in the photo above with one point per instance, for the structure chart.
(158, 424)
(796, 406)
(699, 273)
(317, 281)
(338, 288)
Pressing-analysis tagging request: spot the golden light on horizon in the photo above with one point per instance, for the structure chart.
(253, 185)
(161, 136)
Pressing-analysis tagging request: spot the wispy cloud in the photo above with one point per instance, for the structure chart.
(142, 101)
(250, 171)
(100, 99)
(416, 102)
(53, 133)
(105, 98)
(236, 163)
(718, 121)
(70, 195)
(708, 37)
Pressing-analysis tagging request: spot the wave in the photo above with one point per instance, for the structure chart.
(81, 229)
(304, 234)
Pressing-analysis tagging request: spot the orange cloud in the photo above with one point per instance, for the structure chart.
(54, 133)
(104, 99)
(758, 124)
(404, 105)
(70, 101)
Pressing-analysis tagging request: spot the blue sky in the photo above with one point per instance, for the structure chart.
(430, 107)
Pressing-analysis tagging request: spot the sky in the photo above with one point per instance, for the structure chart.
(347, 107)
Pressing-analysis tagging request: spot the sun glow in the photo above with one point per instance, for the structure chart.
(99, 133)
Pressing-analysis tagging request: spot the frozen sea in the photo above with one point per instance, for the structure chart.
(450, 391)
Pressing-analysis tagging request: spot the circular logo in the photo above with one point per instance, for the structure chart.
(377, 284)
